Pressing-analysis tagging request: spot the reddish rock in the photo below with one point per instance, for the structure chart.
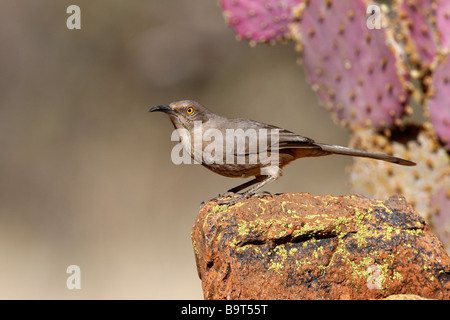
(298, 246)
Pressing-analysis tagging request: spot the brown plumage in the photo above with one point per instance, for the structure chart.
(251, 159)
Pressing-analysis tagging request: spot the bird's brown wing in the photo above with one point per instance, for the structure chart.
(274, 138)
(289, 139)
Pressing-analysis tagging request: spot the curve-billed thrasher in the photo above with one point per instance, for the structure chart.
(256, 139)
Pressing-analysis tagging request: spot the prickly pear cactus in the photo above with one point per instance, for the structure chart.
(259, 20)
(439, 100)
(362, 75)
(440, 208)
(357, 72)
(382, 179)
(418, 33)
(442, 14)
(426, 186)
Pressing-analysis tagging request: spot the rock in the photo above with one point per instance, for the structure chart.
(405, 297)
(298, 246)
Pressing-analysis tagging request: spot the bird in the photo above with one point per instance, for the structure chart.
(247, 148)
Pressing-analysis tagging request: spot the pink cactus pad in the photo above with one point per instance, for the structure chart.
(357, 72)
(439, 102)
(420, 41)
(259, 20)
(443, 23)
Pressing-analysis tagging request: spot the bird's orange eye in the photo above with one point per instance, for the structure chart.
(189, 110)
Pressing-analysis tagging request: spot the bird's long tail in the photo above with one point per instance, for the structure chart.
(362, 153)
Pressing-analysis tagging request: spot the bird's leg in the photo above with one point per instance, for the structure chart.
(233, 191)
(250, 192)
(257, 184)
(245, 185)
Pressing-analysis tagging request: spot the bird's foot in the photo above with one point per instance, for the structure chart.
(232, 200)
(235, 197)
(262, 194)
(227, 194)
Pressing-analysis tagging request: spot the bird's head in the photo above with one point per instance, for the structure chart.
(184, 113)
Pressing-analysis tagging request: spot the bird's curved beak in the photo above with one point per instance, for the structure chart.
(163, 108)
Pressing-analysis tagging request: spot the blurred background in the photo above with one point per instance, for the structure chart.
(86, 176)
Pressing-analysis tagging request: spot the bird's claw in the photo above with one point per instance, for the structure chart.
(227, 194)
(236, 197)
(263, 194)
